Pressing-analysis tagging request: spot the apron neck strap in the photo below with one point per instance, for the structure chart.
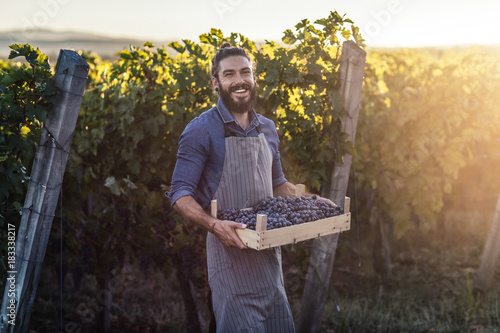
(229, 132)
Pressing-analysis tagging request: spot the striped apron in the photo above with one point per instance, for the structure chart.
(247, 288)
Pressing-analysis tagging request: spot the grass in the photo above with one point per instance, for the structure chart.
(430, 289)
(412, 313)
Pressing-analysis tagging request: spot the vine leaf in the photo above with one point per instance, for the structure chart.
(33, 57)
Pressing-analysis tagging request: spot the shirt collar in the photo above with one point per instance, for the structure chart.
(227, 117)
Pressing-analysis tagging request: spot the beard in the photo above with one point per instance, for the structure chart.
(237, 105)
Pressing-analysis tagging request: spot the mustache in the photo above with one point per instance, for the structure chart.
(238, 87)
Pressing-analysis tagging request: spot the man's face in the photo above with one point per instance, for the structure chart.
(236, 84)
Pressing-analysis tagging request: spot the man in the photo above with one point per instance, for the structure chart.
(230, 153)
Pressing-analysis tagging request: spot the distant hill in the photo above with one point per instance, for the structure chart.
(50, 42)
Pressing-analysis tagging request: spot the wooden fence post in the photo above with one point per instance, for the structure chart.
(352, 68)
(43, 192)
(491, 253)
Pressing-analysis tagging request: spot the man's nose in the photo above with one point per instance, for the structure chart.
(239, 78)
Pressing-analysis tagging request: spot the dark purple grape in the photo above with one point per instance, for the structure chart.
(283, 212)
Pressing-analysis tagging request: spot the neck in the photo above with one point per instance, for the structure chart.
(242, 118)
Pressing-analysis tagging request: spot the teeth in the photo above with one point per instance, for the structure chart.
(240, 90)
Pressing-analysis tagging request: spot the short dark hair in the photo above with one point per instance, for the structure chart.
(225, 51)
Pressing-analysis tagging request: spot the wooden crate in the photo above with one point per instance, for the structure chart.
(261, 238)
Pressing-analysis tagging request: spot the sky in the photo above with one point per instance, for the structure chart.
(383, 23)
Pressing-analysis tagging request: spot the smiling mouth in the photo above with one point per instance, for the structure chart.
(240, 89)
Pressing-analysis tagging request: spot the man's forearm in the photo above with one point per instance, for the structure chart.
(222, 229)
(193, 212)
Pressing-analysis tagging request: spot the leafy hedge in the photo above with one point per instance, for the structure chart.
(426, 116)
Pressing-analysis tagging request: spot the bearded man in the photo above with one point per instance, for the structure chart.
(230, 153)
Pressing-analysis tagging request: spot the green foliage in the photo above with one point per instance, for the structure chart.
(299, 87)
(123, 147)
(34, 57)
(423, 119)
(27, 93)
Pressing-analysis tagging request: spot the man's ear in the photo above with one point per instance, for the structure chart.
(215, 83)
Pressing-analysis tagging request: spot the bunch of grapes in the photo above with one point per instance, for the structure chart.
(282, 212)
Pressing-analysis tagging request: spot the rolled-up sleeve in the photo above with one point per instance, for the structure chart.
(194, 146)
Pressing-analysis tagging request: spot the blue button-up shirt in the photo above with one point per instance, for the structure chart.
(200, 158)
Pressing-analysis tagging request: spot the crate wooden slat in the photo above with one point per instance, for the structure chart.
(262, 239)
(295, 233)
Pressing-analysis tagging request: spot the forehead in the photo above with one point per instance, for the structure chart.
(234, 63)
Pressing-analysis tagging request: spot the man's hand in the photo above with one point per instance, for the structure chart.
(327, 201)
(288, 188)
(225, 231)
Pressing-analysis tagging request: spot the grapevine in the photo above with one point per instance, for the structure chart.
(27, 94)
